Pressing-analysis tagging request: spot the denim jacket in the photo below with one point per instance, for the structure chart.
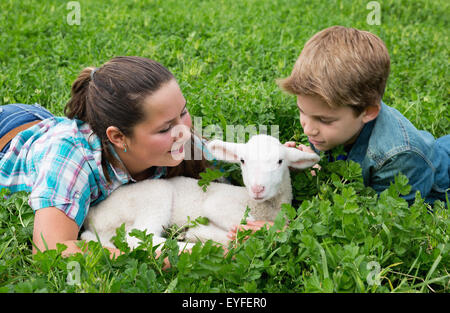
(391, 144)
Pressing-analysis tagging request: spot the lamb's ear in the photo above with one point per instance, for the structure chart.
(300, 159)
(225, 151)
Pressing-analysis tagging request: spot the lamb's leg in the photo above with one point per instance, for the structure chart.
(228, 215)
(185, 245)
(90, 236)
(182, 245)
(205, 232)
(153, 225)
(153, 216)
(157, 240)
(156, 230)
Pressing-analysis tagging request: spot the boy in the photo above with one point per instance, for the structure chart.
(339, 80)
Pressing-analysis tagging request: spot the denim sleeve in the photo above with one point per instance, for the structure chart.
(411, 164)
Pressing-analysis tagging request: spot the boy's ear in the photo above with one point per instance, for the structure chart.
(300, 159)
(225, 151)
(371, 112)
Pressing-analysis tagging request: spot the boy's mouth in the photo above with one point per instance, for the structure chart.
(315, 142)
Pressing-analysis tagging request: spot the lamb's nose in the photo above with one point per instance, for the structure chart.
(257, 189)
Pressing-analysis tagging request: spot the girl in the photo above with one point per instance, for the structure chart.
(119, 129)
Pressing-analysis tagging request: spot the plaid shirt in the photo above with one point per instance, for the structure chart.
(59, 162)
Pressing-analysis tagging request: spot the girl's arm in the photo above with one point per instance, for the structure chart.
(55, 227)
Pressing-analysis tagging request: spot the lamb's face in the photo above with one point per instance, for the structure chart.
(263, 164)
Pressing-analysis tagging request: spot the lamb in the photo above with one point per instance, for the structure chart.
(153, 204)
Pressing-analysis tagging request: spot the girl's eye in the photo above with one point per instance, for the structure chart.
(165, 130)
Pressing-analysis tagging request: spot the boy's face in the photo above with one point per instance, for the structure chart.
(327, 127)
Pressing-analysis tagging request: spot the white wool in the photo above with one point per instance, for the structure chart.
(152, 204)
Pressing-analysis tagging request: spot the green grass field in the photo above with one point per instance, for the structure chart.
(226, 56)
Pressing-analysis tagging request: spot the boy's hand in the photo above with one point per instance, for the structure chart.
(292, 144)
(254, 226)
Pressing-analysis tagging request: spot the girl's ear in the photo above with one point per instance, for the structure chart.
(300, 159)
(115, 136)
(225, 151)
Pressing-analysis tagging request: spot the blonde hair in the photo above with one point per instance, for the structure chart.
(344, 66)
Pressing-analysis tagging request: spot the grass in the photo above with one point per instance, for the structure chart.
(226, 56)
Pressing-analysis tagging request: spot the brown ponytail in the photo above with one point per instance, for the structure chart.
(112, 95)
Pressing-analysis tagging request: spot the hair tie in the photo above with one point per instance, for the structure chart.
(93, 72)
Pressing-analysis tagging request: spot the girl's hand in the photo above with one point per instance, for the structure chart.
(254, 226)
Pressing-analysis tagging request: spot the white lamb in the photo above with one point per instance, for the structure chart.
(152, 204)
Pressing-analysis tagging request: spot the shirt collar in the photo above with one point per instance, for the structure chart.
(124, 176)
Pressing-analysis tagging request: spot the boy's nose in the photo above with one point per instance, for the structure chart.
(310, 130)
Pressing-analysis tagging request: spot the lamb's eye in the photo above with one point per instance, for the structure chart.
(242, 161)
(280, 161)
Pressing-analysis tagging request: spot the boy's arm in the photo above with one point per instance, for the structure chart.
(411, 164)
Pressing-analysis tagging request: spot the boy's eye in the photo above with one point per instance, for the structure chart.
(325, 122)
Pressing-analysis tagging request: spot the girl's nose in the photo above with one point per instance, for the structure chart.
(180, 133)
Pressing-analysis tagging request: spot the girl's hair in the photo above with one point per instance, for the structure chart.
(112, 95)
(344, 66)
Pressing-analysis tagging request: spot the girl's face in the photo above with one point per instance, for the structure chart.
(159, 139)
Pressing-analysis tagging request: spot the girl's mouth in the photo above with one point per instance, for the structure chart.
(177, 151)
